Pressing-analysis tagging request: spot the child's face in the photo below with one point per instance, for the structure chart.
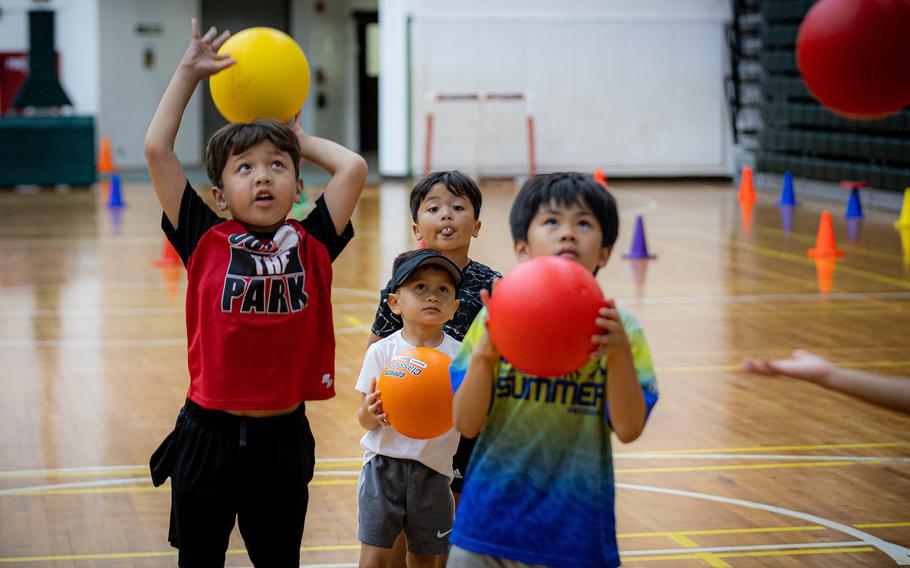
(426, 298)
(569, 231)
(445, 221)
(260, 186)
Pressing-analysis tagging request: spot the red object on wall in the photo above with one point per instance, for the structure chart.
(13, 71)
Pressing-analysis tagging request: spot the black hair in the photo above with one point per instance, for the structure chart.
(564, 188)
(239, 137)
(456, 182)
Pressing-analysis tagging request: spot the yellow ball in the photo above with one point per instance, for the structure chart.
(271, 78)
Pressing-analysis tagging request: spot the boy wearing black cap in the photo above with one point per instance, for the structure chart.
(405, 482)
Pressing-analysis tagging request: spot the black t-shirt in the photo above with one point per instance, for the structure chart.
(475, 276)
(196, 217)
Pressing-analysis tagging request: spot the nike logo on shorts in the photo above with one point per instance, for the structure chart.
(440, 534)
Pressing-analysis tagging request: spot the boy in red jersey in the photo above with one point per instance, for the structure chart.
(259, 322)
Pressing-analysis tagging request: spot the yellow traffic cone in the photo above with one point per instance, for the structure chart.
(904, 221)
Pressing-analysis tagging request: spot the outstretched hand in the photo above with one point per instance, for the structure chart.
(800, 365)
(201, 58)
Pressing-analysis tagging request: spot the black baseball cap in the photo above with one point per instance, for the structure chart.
(420, 258)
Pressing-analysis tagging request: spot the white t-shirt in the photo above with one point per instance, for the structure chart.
(435, 453)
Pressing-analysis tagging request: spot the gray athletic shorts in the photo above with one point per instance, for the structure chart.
(395, 494)
(461, 558)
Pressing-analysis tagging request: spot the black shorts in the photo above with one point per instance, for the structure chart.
(460, 462)
(224, 467)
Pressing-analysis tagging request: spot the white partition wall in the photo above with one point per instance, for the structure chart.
(637, 90)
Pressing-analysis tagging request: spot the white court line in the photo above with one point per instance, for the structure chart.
(900, 554)
(165, 342)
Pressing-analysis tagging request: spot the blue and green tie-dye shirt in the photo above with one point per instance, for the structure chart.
(540, 486)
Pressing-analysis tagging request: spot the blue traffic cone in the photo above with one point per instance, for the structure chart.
(853, 226)
(116, 198)
(786, 218)
(854, 207)
(787, 197)
(639, 247)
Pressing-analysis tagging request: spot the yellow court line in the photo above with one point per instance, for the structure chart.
(754, 530)
(746, 554)
(881, 525)
(875, 277)
(810, 240)
(737, 467)
(99, 490)
(734, 368)
(709, 558)
(122, 555)
(96, 490)
(723, 531)
(803, 260)
(780, 448)
(327, 467)
(354, 321)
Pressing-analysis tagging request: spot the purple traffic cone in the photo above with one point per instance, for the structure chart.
(639, 247)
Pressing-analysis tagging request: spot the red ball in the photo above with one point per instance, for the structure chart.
(854, 56)
(541, 316)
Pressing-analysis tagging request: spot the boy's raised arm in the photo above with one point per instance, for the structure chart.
(200, 60)
(348, 169)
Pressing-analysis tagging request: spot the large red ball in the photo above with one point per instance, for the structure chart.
(541, 316)
(854, 56)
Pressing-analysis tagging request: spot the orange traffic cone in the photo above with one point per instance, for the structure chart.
(825, 246)
(169, 256)
(171, 276)
(105, 161)
(600, 177)
(746, 208)
(746, 187)
(824, 270)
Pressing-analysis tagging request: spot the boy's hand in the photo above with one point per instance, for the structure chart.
(485, 348)
(294, 123)
(615, 340)
(372, 405)
(201, 58)
(800, 365)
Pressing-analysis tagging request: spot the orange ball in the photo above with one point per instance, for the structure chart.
(416, 393)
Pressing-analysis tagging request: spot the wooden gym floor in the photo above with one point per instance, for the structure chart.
(732, 470)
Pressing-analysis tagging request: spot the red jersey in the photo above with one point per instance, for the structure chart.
(258, 308)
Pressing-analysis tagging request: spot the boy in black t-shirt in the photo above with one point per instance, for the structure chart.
(445, 207)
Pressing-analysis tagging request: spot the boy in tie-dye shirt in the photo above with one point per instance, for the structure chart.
(540, 488)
